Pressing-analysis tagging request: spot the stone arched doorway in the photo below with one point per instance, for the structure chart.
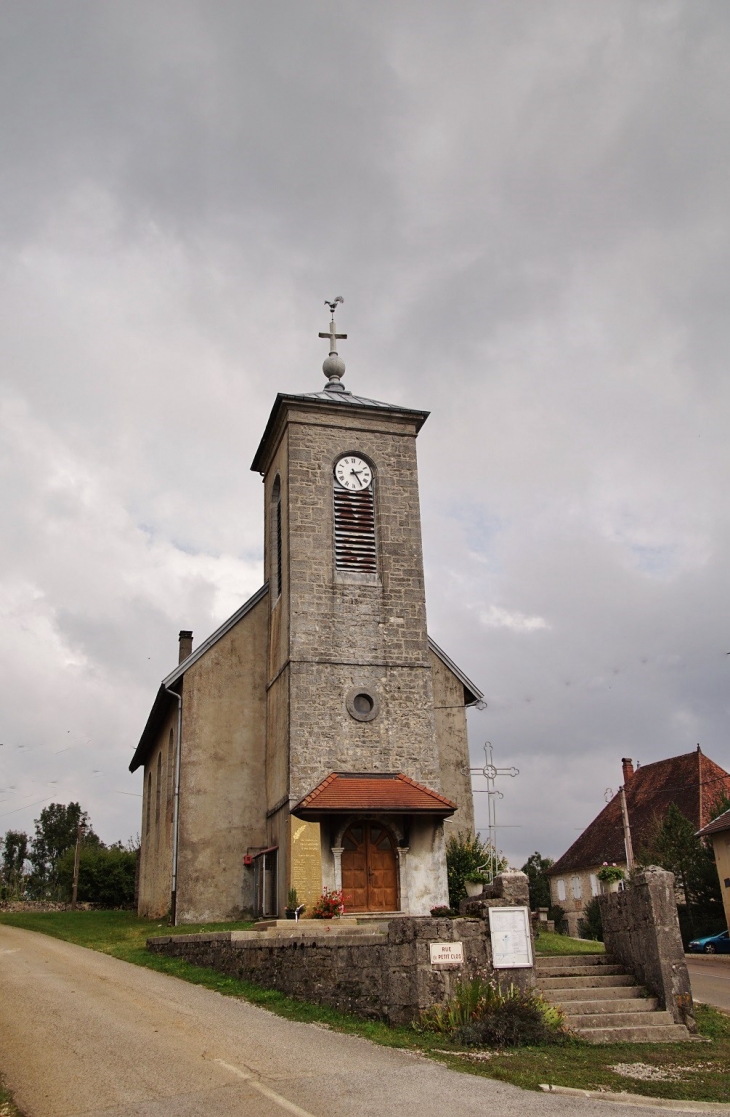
(369, 868)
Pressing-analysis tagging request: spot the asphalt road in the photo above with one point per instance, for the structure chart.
(82, 1033)
(710, 978)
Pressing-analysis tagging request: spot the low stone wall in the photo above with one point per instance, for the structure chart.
(44, 905)
(386, 976)
(641, 929)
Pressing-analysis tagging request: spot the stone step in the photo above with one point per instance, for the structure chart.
(548, 961)
(626, 1005)
(595, 981)
(563, 995)
(669, 1033)
(580, 971)
(602, 1019)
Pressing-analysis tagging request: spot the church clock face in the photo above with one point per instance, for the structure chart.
(353, 473)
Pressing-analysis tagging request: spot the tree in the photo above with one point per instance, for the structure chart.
(464, 854)
(536, 868)
(672, 843)
(590, 926)
(55, 832)
(721, 804)
(15, 853)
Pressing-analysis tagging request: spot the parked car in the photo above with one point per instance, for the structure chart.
(712, 944)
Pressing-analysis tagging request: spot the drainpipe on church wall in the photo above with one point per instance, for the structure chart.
(176, 807)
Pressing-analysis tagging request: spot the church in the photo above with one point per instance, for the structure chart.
(318, 739)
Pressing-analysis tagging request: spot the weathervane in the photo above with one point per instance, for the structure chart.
(333, 366)
(490, 773)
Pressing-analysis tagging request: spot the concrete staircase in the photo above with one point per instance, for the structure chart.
(602, 1002)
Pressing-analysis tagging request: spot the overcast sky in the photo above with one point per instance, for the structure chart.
(525, 206)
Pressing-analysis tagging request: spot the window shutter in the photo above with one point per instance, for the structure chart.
(355, 530)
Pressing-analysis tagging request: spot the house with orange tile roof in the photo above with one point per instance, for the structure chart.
(691, 781)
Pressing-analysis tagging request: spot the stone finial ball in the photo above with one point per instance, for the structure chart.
(333, 367)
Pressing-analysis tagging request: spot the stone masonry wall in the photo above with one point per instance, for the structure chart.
(388, 977)
(641, 929)
(348, 629)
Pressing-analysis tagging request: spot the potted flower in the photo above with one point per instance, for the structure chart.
(329, 905)
(292, 909)
(611, 875)
(474, 882)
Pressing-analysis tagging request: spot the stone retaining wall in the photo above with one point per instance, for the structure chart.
(387, 976)
(641, 929)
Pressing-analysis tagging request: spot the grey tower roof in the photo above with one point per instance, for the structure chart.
(331, 398)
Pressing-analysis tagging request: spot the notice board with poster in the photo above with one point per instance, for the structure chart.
(511, 942)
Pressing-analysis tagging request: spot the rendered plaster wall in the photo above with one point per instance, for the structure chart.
(222, 808)
(426, 867)
(452, 742)
(387, 976)
(641, 929)
(573, 905)
(721, 845)
(155, 867)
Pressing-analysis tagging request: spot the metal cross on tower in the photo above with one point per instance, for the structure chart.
(490, 772)
(334, 366)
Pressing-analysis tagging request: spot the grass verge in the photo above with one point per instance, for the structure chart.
(548, 943)
(8, 1108)
(692, 1071)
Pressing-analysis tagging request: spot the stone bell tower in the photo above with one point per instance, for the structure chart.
(350, 689)
(317, 739)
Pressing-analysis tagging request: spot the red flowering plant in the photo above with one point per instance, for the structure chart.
(329, 905)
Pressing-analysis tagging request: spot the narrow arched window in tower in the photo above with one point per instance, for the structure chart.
(170, 768)
(354, 515)
(149, 801)
(276, 541)
(158, 792)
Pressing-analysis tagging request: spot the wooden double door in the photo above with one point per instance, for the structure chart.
(369, 868)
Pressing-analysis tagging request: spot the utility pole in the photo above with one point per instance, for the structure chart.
(77, 859)
(627, 830)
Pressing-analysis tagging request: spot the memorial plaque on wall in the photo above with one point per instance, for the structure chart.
(306, 862)
(510, 933)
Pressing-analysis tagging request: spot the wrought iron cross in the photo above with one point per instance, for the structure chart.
(332, 334)
(490, 772)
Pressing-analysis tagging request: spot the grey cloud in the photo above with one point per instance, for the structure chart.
(525, 208)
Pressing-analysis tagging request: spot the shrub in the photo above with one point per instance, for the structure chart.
(106, 876)
(328, 906)
(442, 912)
(518, 1021)
(482, 1014)
(466, 853)
(591, 925)
(557, 914)
(472, 998)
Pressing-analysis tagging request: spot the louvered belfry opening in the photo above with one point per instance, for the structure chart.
(355, 530)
